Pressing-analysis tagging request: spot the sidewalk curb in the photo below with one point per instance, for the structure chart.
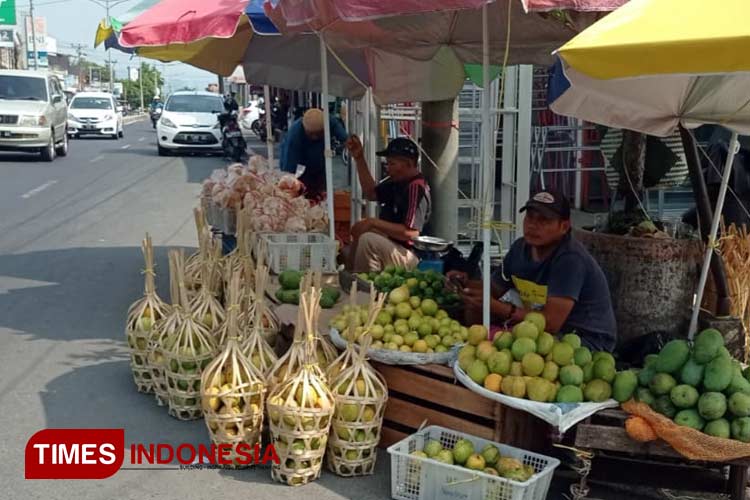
(134, 118)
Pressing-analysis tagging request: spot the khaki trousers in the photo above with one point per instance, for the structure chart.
(374, 252)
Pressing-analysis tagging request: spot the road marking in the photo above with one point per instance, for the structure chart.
(96, 159)
(38, 189)
(126, 146)
(141, 139)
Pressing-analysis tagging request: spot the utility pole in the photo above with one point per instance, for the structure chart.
(109, 54)
(79, 52)
(140, 78)
(33, 35)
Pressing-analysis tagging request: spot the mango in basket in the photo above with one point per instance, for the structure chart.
(462, 450)
(212, 402)
(475, 462)
(514, 386)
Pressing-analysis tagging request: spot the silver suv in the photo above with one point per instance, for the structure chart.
(33, 114)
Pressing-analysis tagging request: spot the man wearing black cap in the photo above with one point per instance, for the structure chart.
(552, 273)
(404, 198)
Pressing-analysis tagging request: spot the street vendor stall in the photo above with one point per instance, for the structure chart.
(311, 411)
(691, 393)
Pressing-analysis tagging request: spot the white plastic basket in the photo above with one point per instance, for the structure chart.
(300, 251)
(390, 357)
(416, 478)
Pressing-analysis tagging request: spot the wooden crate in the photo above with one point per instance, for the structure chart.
(431, 393)
(604, 433)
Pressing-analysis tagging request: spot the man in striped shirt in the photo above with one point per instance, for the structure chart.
(404, 199)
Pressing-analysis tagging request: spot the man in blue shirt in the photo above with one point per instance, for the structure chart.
(552, 273)
(304, 144)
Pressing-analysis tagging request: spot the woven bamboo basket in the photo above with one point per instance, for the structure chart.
(361, 394)
(143, 315)
(163, 333)
(352, 334)
(256, 311)
(205, 307)
(237, 259)
(300, 411)
(232, 391)
(192, 264)
(186, 355)
(254, 346)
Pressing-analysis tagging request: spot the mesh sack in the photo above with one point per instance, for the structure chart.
(688, 442)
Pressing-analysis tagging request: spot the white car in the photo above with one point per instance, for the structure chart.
(95, 113)
(189, 123)
(249, 116)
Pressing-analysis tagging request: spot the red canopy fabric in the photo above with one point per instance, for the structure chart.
(183, 21)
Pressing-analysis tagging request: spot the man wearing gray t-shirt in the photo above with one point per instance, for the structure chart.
(552, 273)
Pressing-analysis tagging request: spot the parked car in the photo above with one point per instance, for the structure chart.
(33, 114)
(95, 113)
(250, 118)
(189, 123)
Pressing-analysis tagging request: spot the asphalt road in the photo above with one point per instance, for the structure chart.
(70, 265)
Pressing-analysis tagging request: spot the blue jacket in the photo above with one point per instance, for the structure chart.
(297, 149)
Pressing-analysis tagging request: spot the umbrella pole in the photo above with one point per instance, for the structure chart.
(705, 214)
(327, 136)
(488, 182)
(712, 235)
(269, 123)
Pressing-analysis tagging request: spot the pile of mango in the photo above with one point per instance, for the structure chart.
(701, 387)
(528, 362)
(289, 292)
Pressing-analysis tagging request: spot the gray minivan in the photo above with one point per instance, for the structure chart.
(33, 113)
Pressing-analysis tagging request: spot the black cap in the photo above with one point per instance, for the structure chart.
(401, 146)
(550, 203)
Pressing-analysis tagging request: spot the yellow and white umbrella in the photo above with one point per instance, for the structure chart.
(658, 65)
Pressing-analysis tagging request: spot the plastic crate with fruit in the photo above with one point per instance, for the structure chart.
(416, 477)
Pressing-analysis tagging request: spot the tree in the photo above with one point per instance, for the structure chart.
(151, 78)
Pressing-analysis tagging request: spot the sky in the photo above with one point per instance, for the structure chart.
(74, 22)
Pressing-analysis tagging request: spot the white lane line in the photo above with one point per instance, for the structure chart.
(96, 159)
(38, 189)
(141, 139)
(126, 146)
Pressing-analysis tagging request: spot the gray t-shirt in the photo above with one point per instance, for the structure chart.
(569, 272)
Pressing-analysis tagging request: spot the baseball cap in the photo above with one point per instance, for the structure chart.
(401, 146)
(550, 203)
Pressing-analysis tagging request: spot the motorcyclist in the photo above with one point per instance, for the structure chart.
(230, 103)
(155, 109)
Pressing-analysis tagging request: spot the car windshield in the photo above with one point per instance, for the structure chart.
(194, 104)
(23, 88)
(91, 103)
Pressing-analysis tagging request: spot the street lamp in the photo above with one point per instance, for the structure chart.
(106, 5)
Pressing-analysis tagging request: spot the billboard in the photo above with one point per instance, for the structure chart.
(8, 12)
(41, 59)
(40, 31)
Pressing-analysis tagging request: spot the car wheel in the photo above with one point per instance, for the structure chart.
(160, 150)
(121, 133)
(48, 153)
(62, 149)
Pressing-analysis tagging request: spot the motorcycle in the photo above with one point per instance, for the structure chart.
(155, 114)
(232, 141)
